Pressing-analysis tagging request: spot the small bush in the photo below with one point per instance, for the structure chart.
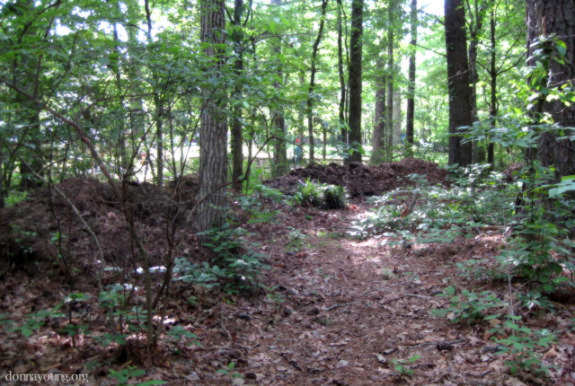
(321, 195)
(233, 267)
(469, 307)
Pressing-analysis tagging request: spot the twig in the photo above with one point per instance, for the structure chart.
(82, 220)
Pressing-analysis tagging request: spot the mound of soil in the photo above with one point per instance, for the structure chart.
(46, 225)
(359, 179)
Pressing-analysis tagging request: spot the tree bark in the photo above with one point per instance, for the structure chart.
(458, 82)
(409, 137)
(355, 78)
(546, 18)
(280, 165)
(493, 108)
(377, 154)
(236, 129)
(342, 83)
(390, 81)
(477, 15)
(213, 130)
(311, 89)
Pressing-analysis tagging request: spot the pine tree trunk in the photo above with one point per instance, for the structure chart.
(355, 79)
(390, 83)
(236, 129)
(458, 82)
(409, 137)
(311, 89)
(377, 153)
(546, 18)
(493, 85)
(213, 130)
(342, 83)
(280, 165)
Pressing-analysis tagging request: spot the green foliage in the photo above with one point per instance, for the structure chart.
(179, 333)
(439, 214)
(34, 321)
(523, 344)
(320, 195)
(402, 365)
(233, 267)
(252, 203)
(296, 240)
(123, 376)
(229, 371)
(558, 190)
(469, 307)
(14, 197)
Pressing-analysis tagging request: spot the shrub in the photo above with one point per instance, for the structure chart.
(320, 195)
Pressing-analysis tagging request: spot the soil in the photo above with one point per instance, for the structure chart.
(361, 180)
(335, 310)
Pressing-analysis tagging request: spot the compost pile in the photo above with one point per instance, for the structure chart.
(46, 226)
(361, 180)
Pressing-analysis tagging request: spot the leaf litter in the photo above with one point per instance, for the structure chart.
(337, 310)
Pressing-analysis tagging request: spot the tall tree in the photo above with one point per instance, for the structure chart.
(493, 108)
(546, 18)
(458, 82)
(158, 103)
(411, 82)
(377, 153)
(476, 10)
(236, 127)
(355, 79)
(312, 85)
(213, 130)
(280, 165)
(391, 12)
(342, 81)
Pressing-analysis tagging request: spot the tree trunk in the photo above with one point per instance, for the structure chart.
(311, 89)
(411, 82)
(236, 129)
(280, 165)
(477, 15)
(213, 130)
(458, 82)
(390, 82)
(342, 83)
(546, 18)
(377, 153)
(493, 86)
(355, 79)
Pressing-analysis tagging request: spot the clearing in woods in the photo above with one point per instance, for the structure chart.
(336, 309)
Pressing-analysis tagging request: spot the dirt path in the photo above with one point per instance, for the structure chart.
(336, 310)
(355, 312)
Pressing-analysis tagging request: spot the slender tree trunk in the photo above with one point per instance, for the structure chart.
(458, 82)
(476, 15)
(301, 115)
(137, 120)
(236, 129)
(493, 85)
(159, 107)
(355, 79)
(378, 139)
(390, 82)
(311, 89)
(342, 82)
(118, 118)
(213, 130)
(409, 137)
(159, 117)
(280, 165)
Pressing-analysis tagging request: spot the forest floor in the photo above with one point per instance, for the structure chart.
(336, 309)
